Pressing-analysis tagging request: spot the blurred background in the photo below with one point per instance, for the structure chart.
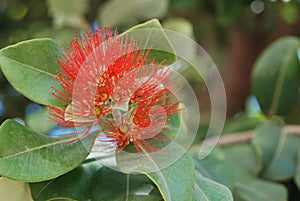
(233, 32)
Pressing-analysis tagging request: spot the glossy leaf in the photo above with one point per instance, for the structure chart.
(28, 156)
(244, 164)
(283, 163)
(215, 167)
(11, 190)
(278, 150)
(265, 140)
(242, 159)
(175, 181)
(275, 78)
(31, 67)
(209, 190)
(118, 12)
(39, 122)
(183, 26)
(150, 35)
(111, 185)
(260, 190)
(180, 25)
(73, 185)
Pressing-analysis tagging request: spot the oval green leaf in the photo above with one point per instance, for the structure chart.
(39, 121)
(73, 185)
(31, 67)
(275, 78)
(244, 164)
(242, 160)
(111, 185)
(150, 35)
(283, 163)
(215, 167)
(265, 141)
(209, 190)
(278, 150)
(260, 190)
(175, 182)
(28, 156)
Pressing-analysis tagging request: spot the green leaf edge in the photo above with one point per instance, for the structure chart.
(49, 178)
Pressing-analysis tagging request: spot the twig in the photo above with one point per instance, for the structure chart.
(246, 136)
(292, 129)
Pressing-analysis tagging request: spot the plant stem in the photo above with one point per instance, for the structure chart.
(246, 136)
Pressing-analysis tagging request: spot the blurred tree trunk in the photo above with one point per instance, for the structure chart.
(242, 53)
(243, 50)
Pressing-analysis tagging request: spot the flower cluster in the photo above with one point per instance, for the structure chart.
(106, 80)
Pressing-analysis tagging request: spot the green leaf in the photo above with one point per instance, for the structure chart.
(68, 12)
(118, 12)
(39, 122)
(183, 26)
(283, 163)
(265, 141)
(215, 167)
(175, 181)
(209, 190)
(260, 190)
(72, 185)
(242, 160)
(278, 150)
(28, 156)
(275, 78)
(248, 187)
(11, 190)
(180, 25)
(150, 35)
(297, 172)
(241, 124)
(31, 67)
(110, 185)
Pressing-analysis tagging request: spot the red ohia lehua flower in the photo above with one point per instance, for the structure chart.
(107, 81)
